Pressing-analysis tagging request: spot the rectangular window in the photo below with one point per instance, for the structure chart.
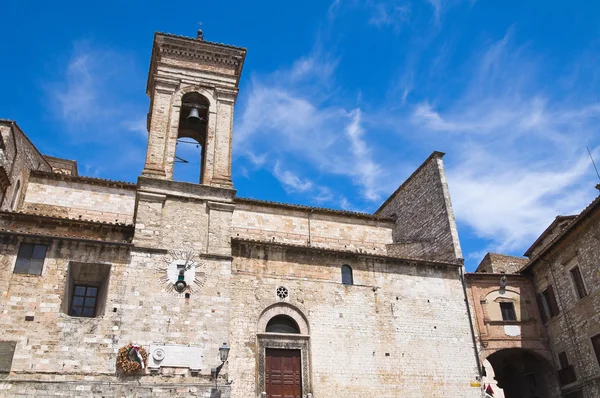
(596, 344)
(508, 311)
(30, 259)
(87, 289)
(566, 373)
(84, 301)
(578, 281)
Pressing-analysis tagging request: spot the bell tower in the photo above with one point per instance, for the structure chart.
(193, 86)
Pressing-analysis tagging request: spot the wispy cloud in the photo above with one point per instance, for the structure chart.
(92, 101)
(303, 126)
(437, 9)
(389, 15)
(519, 152)
(290, 181)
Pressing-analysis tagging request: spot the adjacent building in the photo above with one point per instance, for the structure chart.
(537, 318)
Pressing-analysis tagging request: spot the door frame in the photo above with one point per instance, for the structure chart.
(286, 342)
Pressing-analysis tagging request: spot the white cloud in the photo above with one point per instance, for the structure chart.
(437, 8)
(302, 126)
(389, 15)
(517, 154)
(291, 182)
(366, 170)
(91, 101)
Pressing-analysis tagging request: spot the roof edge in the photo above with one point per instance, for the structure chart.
(595, 204)
(84, 179)
(556, 220)
(347, 252)
(322, 210)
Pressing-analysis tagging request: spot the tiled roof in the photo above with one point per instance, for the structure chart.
(312, 208)
(91, 180)
(595, 203)
(64, 236)
(59, 218)
(201, 40)
(347, 252)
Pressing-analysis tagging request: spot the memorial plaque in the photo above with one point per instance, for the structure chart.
(7, 350)
(175, 356)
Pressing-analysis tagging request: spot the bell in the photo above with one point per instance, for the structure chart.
(194, 116)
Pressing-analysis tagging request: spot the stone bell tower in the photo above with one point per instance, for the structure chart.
(193, 85)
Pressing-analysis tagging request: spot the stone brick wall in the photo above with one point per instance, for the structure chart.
(139, 308)
(554, 230)
(289, 225)
(501, 264)
(491, 331)
(60, 196)
(20, 156)
(62, 166)
(579, 319)
(393, 333)
(425, 225)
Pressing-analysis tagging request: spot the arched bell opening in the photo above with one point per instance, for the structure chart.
(521, 373)
(191, 138)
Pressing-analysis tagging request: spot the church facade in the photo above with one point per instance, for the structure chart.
(168, 288)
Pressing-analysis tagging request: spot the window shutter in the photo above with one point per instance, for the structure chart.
(552, 302)
(541, 308)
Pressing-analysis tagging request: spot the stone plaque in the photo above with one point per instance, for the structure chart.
(512, 330)
(7, 350)
(174, 356)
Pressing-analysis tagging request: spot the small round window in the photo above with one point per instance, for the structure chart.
(282, 324)
(282, 292)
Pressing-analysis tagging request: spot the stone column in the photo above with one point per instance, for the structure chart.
(159, 128)
(221, 173)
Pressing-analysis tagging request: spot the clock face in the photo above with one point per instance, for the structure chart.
(176, 262)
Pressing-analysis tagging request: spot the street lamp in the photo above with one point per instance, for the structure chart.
(223, 354)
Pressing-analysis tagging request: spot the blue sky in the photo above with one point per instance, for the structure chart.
(339, 100)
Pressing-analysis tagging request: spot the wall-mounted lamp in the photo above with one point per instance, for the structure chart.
(223, 354)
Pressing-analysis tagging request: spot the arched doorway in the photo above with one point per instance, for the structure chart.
(283, 357)
(521, 373)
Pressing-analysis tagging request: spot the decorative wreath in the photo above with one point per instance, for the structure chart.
(132, 358)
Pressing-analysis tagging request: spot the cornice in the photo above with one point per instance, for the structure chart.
(345, 253)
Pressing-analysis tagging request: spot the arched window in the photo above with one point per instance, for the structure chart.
(347, 275)
(15, 195)
(282, 324)
(191, 138)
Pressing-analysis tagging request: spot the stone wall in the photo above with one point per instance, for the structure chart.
(425, 225)
(291, 225)
(393, 333)
(579, 319)
(57, 195)
(501, 264)
(20, 156)
(140, 307)
(483, 292)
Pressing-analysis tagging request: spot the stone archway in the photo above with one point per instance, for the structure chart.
(521, 373)
(294, 341)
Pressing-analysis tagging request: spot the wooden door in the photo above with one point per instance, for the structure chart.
(282, 373)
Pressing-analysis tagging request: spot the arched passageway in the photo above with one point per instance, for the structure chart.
(522, 374)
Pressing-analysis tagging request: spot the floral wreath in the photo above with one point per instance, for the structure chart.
(132, 358)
